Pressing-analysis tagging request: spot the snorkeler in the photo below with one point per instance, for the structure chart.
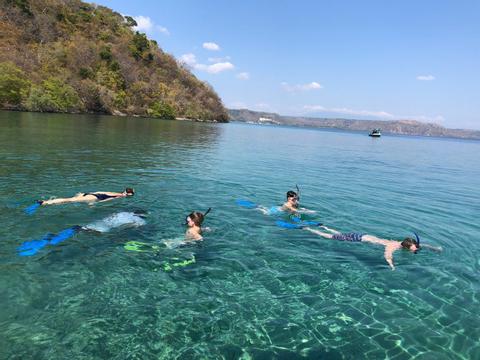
(194, 222)
(291, 205)
(292, 201)
(121, 219)
(390, 245)
(89, 197)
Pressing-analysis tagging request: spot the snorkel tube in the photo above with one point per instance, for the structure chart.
(418, 239)
(204, 215)
(298, 192)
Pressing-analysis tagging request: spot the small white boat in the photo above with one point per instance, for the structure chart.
(375, 133)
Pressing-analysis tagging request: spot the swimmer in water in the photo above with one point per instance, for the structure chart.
(89, 197)
(122, 219)
(390, 245)
(292, 202)
(194, 222)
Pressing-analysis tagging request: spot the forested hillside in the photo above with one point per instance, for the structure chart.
(71, 56)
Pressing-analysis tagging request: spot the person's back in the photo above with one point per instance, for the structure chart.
(90, 197)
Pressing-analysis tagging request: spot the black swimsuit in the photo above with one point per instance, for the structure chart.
(100, 196)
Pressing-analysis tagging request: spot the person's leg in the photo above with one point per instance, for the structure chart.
(317, 232)
(80, 198)
(331, 230)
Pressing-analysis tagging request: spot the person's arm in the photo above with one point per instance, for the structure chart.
(389, 255)
(430, 247)
(306, 211)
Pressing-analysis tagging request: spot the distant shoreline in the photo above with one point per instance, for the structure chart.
(350, 131)
(393, 127)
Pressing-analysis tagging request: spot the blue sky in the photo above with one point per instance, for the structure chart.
(350, 59)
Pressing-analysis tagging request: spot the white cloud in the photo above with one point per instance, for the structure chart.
(163, 30)
(369, 113)
(211, 46)
(217, 67)
(301, 87)
(218, 59)
(191, 60)
(426, 77)
(146, 25)
(243, 76)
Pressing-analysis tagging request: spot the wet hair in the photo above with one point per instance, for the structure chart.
(291, 194)
(130, 191)
(407, 242)
(196, 217)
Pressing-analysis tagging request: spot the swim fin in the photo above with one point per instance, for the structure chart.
(32, 208)
(246, 204)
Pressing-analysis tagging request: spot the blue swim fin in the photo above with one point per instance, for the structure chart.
(64, 235)
(298, 225)
(29, 248)
(32, 208)
(246, 204)
(287, 225)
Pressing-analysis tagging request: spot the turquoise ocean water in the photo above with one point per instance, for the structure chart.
(255, 291)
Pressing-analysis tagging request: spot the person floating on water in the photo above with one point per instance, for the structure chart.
(121, 219)
(194, 222)
(89, 197)
(390, 245)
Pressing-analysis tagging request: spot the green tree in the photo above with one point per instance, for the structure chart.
(106, 53)
(130, 21)
(140, 44)
(53, 95)
(161, 110)
(13, 85)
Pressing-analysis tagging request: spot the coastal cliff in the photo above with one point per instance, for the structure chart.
(75, 57)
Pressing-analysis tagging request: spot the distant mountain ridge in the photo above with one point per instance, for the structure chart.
(74, 57)
(401, 127)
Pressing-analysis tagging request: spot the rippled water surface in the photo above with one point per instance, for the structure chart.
(250, 290)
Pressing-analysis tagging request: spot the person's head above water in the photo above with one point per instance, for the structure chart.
(292, 197)
(129, 192)
(410, 244)
(195, 219)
